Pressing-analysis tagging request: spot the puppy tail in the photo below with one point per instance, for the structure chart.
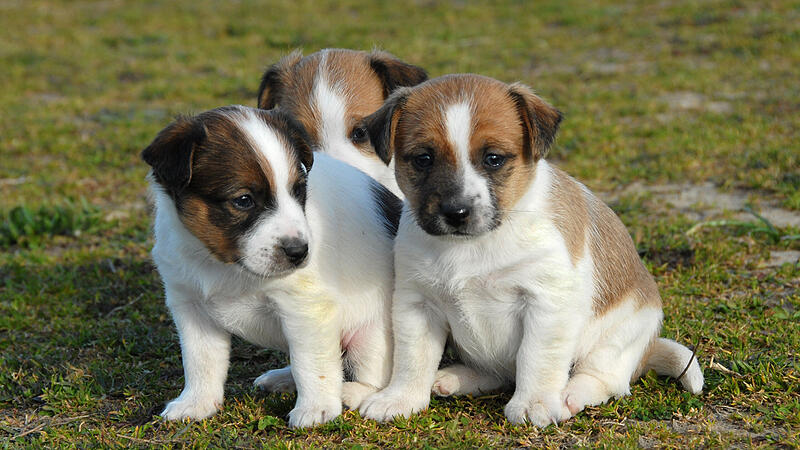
(670, 358)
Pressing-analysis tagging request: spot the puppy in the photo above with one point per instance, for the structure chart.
(249, 240)
(330, 91)
(536, 280)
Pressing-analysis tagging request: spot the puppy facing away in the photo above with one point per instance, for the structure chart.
(330, 92)
(251, 241)
(536, 280)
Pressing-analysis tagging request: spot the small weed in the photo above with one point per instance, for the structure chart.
(761, 227)
(29, 227)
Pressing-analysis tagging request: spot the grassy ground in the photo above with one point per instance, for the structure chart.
(654, 93)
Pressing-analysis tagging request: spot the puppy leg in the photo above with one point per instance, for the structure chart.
(278, 380)
(369, 355)
(545, 353)
(419, 335)
(607, 368)
(312, 333)
(205, 349)
(459, 379)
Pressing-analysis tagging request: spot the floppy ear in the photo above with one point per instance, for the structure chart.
(395, 73)
(172, 151)
(272, 80)
(539, 120)
(382, 124)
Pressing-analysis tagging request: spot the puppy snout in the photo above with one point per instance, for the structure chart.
(296, 250)
(455, 214)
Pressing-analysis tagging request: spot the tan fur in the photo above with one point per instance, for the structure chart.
(194, 214)
(570, 215)
(496, 127)
(618, 271)
(539, 120)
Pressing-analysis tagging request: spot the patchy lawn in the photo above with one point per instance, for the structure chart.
(684, 116)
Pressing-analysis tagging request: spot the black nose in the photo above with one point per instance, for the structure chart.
(295, 249)
(455, 214)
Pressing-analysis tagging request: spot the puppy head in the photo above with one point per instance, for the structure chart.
(465, 147)
(237, 177)
(330, 91)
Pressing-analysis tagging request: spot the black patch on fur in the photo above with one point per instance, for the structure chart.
(390, 206)
(269, 89)
(171, 153)
(379, 125)
(395, 73)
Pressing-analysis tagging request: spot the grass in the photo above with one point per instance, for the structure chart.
(25, 227)
(653, 92)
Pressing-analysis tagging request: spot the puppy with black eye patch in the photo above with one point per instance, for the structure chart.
(330, 92)
(536, 280)
(251, 241)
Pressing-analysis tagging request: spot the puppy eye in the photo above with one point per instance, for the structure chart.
(243, 202)
(493, 160)
(358, 135)
(423, 161)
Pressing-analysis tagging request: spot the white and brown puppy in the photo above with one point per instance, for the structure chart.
(249, 240)
(536, 280)
(330, 92)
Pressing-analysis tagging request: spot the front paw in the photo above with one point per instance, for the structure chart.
(541, 411)
(278, 380)
(311, 413)
(386, 405)
(194, 408)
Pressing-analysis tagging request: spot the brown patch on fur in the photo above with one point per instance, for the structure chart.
(497, 128)
(350, 75)
(290, 85)
(539, 119)
(248, 166)
(570, 215)
(618, 271)
(195, 214)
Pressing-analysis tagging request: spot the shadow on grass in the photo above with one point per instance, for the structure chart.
(95, 336)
